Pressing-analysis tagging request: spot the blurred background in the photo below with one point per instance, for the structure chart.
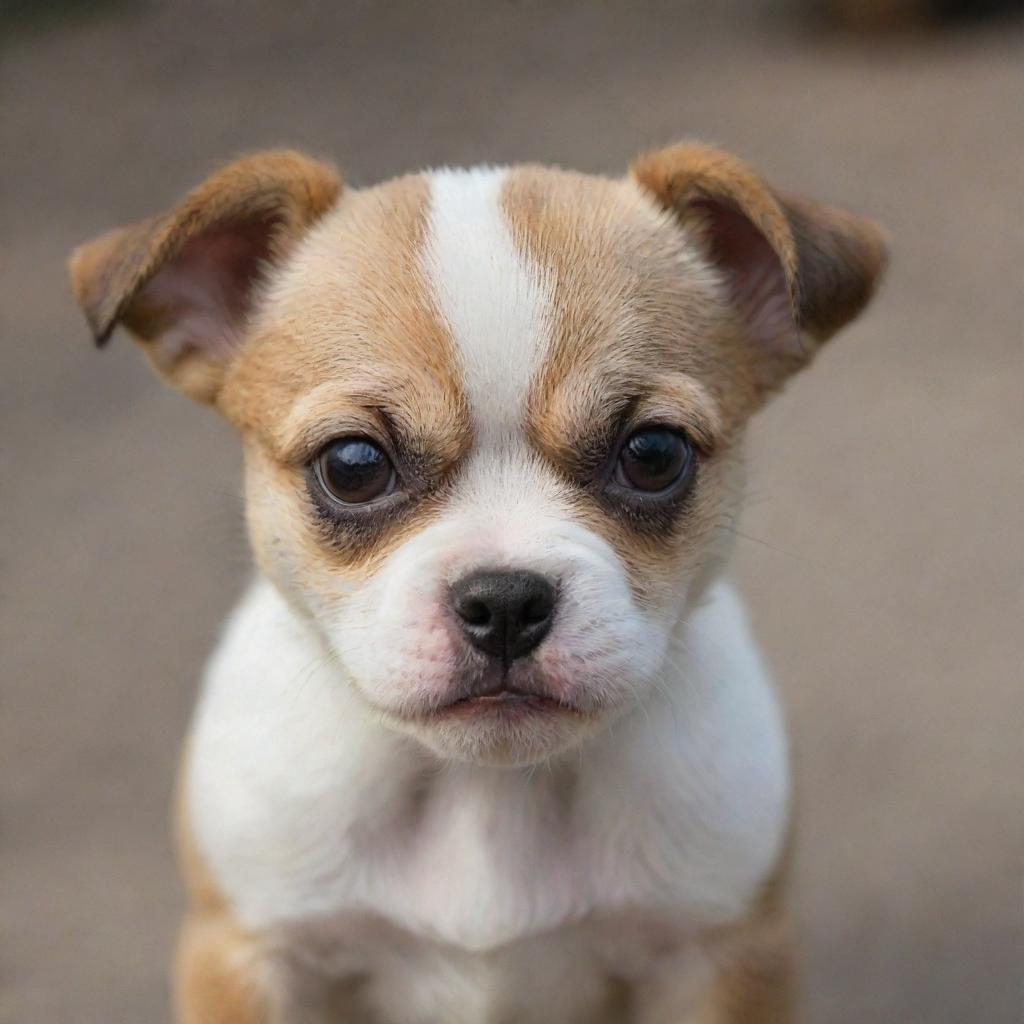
(880, 554)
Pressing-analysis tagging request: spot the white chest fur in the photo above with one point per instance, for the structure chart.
(316, 820)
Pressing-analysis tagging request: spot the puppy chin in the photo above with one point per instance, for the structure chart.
(507, 737)
(482, 714)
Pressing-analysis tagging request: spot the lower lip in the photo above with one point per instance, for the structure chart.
(505, 704)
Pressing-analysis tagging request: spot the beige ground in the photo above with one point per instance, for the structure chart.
(885, 574)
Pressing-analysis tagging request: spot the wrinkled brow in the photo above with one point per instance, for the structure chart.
(432, 428)
(581, 420)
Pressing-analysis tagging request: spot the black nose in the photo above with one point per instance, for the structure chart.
(505, 613)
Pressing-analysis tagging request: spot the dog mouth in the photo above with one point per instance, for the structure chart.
(506, 701)
(511, 693)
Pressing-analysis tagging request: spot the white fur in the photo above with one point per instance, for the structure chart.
(341, 819)
(493, 298)
(313, 815)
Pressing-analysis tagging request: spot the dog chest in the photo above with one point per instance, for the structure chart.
(630, 966)
(319, 827)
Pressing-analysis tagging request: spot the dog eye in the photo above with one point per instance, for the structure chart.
(354, 471)
(654, 459)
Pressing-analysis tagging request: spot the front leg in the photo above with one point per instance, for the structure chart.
(744, 976)
(221, 975)
(757, 985)
(225, 975)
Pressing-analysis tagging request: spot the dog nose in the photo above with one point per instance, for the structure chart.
(505, 613)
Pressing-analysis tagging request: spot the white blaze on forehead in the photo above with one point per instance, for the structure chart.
(492, 296)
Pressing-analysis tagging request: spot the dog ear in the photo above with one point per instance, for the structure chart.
(182, 282)
(797, 271)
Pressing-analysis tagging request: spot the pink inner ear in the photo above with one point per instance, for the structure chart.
(200, 298)
(756, 279)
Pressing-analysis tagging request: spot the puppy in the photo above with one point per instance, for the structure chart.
(488, 740)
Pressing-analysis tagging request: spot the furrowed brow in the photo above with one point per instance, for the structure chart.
(583, 422)
(432, 432)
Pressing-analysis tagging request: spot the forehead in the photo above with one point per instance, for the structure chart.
(482, 301)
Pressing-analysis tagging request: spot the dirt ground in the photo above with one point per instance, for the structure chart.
(881, 552)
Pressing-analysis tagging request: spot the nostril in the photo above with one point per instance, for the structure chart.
(473, 612)
(537, 610)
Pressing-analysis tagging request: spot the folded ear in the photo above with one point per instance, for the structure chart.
(797, 271)
(182, 282)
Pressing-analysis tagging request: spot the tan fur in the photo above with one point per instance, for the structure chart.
(346, 340)
(756, 982)
(280, 192)
(625, 282)
(638, 301)
(354, 317)
(841, 258)
(832, 259)
(350, 337)
(682, 174)
(220, 976)
(756, 976)
(641, 322)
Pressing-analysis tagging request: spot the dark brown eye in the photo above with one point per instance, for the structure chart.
(653, 459)
(354, 471)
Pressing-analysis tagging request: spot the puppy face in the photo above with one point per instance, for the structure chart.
(491, 423)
